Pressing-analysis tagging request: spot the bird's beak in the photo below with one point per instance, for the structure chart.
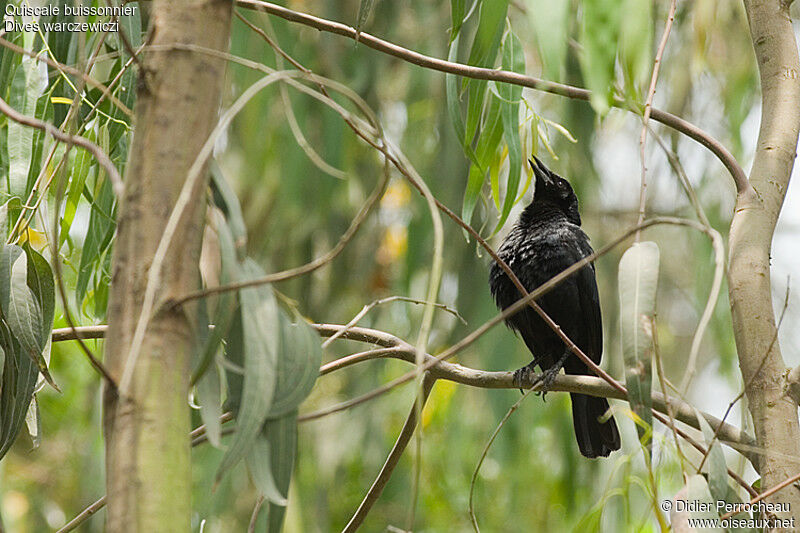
(541, 172)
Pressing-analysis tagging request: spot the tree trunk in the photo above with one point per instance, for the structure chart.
(147, 449)
(763, 370)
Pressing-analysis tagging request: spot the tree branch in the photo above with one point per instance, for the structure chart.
(397, 348)
(668, 119)
(66, 138)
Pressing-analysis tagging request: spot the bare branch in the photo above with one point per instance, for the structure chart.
(66, 138)
(648, 108)
(399, 447)
(668, 119)
(66, 68)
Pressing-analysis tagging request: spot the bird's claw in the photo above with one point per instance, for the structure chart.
(524, 377)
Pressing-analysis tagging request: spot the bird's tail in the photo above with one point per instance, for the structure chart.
(595, 438)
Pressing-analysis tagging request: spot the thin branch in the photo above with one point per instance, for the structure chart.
(392, 459)
(485, 452)
(254, 516)
(66, 68)
(648, 108)
(757, 372)
(68, 139)
(668, 119)
(83, 516)
(766, 494)
(479, 378)
(367, 308)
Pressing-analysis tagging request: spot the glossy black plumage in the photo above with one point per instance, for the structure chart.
(546, 240)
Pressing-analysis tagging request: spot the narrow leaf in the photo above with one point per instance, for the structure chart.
(599, 36)
(638, 280)
(260, 328)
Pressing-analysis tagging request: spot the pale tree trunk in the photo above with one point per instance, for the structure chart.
(147, 448)
(763, 369)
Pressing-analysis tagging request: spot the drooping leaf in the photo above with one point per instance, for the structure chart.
(457, 12)
(209, 397)
(635, 46)
(364, 9)
(261, 331)
(224, 304)
(599, 36)
(486, 150)
(30, 81)
(225, 198)
(298, 365)
(696, 492)
(24, 317)
(638, 280)
(514, 60)
(483, 53)
(282, 434)
(550, 21)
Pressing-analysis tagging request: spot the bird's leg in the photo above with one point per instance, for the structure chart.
(548, 376)
(526, 375)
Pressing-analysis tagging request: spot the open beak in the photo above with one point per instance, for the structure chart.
(541, 172)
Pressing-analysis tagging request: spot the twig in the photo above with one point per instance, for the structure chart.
(668, 119)
(83, 516)
(766, 494)
(485, 452)
(66, 138)
(403, 350)
(399, 447)
(66, 68)
(648, 107)
(254, 516)
(756, 373)
(367, 308)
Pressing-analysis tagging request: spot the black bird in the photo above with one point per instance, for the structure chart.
(546, 240)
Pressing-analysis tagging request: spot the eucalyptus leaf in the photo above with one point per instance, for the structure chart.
(298, 365)
(550, 21)
(513, 59)
(261, 330)
(599, 37)
(638, 282)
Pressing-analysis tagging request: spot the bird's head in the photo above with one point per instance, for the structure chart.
(554, 190)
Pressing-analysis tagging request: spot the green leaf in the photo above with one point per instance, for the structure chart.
(22, 312)
(16, 389)
(599, 36)
(695, 491)
(486, 150)
(225, 302)
(98, 235)
(483, 54)
(259, 463)
(82, 163)
(635, 45)
(40, 281)
(638, 281)
(282, 434)
(298, 365)
(453, 104)
(209, 398)
(550, 21)
(717, 467)
(260, 329)
(225, 198)
(457, 12)
(30, 81)
(513, 59)
(33, 422)
(364, 9)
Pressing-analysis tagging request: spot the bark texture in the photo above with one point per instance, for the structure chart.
(763, 369)
(147, 452)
